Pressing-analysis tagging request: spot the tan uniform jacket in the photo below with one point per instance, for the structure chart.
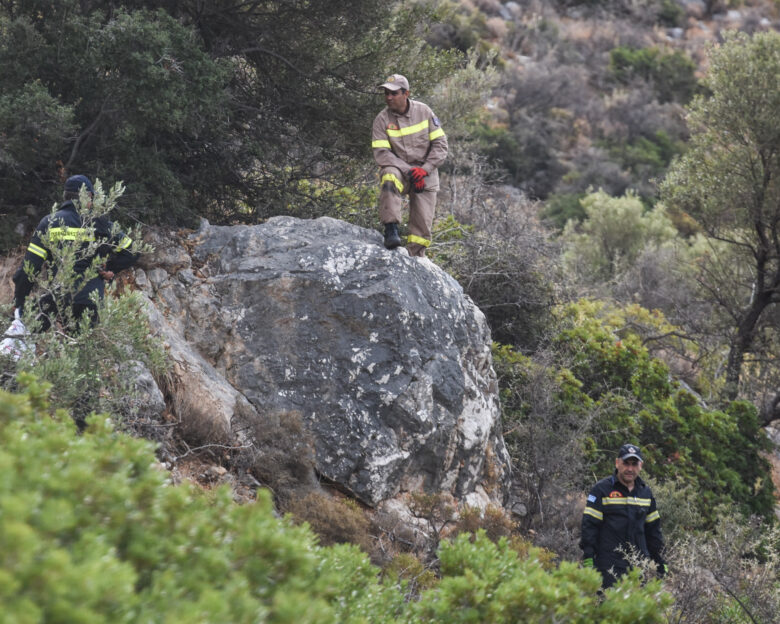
(414, 139)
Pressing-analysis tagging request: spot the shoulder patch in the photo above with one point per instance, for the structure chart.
(591, 498)
(436, 121)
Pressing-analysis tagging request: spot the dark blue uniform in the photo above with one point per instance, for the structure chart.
(67, 226)
(616, 518)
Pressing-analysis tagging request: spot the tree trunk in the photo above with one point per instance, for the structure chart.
(741, 343)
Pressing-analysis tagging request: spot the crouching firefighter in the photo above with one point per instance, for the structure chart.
(93, 237)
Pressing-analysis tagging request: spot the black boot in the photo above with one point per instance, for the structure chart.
(392, 239)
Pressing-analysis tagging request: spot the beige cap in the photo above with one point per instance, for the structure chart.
(395, 82)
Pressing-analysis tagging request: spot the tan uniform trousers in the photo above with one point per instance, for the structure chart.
(422, 207)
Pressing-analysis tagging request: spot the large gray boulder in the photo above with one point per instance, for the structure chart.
(384, 358)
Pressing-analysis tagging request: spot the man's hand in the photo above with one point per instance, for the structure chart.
(417, 176)
(106, 275)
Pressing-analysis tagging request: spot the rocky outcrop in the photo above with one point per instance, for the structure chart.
(382, 356)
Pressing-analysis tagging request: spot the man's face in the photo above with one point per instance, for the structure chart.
(628, 470)
(396, 100)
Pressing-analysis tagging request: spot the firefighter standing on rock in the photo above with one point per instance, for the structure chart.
(409, 145)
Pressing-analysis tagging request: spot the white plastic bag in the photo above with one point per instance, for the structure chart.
(13, 343)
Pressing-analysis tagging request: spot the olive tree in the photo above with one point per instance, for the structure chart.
(729, 181)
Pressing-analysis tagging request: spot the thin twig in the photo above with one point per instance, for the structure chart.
(205, 446)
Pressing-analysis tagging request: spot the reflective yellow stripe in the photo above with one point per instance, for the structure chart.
(38, 251)
(436, 134)
(125, 242)
(70, 233)
(389, 177)
(420, 127)
(418, 239)
(652, 517)
(595, 513)
(381, 143)
(640, 502)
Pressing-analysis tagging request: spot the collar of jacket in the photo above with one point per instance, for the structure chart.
(638, 483)
(408, 109)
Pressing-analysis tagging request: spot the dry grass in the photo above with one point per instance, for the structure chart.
(335, 519)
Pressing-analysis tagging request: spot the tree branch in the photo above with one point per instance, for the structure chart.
(84, 134)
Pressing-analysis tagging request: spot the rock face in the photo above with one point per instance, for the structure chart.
(384, 358)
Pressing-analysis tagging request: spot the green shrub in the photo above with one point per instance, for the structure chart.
(672, 74)
(503, 149)
(92, 532)
(494, 521)
(410, 574)
(681, 437)
(560, 208)
(485, 581)
(647, 154)
(602, 389)
(615, 232)
(670, 13)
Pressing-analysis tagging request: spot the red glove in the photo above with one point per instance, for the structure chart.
(417, 175)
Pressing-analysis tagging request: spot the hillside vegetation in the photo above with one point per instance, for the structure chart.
(611, 201)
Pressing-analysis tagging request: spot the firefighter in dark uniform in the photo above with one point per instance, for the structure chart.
(620, 513)
(68, 225)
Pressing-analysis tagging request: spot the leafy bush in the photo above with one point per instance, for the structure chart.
(680, 436)
(560, 208)
(92, 532)
(599, 388)
(460, 29)
(494, 521)
(648, 155)
(672, 74)
(670, 13)
(410, 574)
(612, 236)
(485, 581)
(33, 127)
(544, 425)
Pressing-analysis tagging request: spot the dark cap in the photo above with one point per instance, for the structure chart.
(629, 450)
(74, 183)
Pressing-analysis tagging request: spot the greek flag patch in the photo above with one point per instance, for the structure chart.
(591, 498)
(436, 121)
